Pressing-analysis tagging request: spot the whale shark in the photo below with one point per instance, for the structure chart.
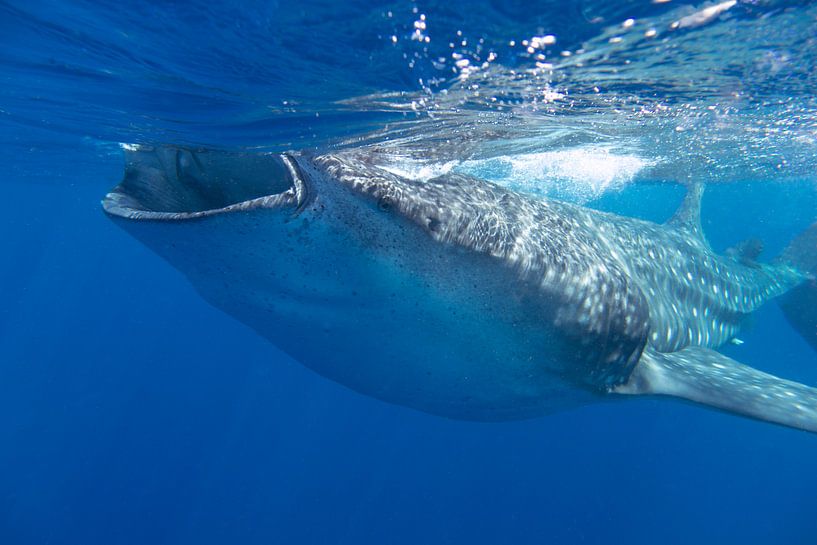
(459, 297)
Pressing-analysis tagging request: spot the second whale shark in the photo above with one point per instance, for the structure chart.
(459, 297)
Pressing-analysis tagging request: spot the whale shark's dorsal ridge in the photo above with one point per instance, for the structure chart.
(457, 296)
(688, 215)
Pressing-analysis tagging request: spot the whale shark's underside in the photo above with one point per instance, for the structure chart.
(462, 298)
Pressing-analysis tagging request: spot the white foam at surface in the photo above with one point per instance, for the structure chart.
(575, 174)
(579, 174)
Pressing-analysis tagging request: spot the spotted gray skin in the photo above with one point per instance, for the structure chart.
(456, 296)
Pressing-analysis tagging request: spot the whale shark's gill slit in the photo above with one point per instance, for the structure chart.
(298, 180)
(178, 183)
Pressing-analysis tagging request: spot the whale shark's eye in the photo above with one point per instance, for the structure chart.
(384, 203)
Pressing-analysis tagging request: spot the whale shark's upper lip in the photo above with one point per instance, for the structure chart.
(180, 184)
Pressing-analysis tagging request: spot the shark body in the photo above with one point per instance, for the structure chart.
(456, 296)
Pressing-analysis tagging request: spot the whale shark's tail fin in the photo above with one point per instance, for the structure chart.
(800, 304)
(707, 377)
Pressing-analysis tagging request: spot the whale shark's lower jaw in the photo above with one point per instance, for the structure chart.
(174, 184)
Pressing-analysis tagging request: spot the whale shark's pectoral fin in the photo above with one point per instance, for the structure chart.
(707, 377)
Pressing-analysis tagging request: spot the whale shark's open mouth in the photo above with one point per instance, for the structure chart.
(175, 184)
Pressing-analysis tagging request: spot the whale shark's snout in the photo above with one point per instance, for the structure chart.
(170, 183)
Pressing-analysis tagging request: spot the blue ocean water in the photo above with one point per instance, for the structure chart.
(132, 412)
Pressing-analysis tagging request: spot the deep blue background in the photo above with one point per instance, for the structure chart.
(131, 412)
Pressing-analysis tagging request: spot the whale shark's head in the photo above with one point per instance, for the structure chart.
(290, 227)
(327, 228)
